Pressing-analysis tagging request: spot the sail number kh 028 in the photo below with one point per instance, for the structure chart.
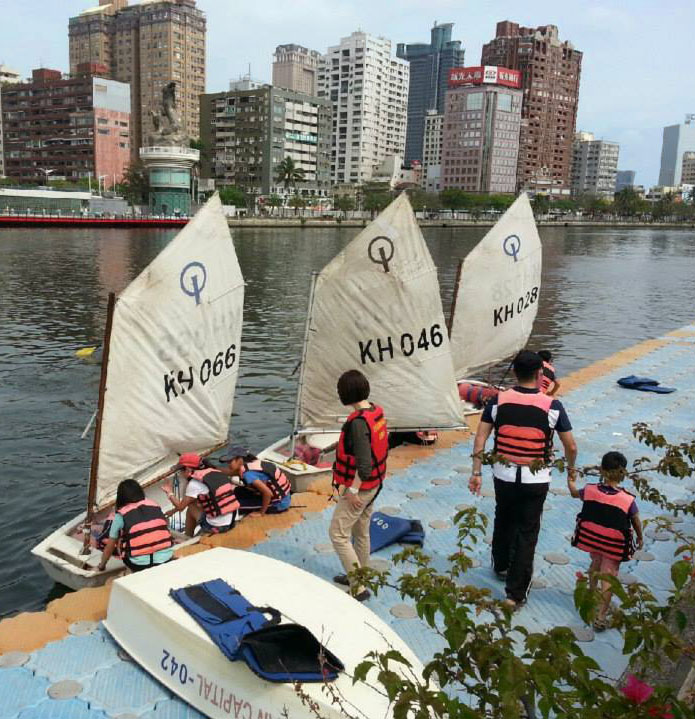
(380, 349)
(514, 308)
(178, 382)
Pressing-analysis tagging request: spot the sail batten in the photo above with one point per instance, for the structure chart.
(377, 308)
(498, 292)
(174, 356)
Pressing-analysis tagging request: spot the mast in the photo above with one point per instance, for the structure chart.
(457, 283)
(94, 469)
(295, 423)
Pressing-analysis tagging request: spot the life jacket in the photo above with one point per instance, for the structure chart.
(385, 530)
(476, 394)
(220, 498)
(145, 529)
(603, 525)
(278, 483)
(345, 467)
(274, 651)
(547, 378)
(522, 426)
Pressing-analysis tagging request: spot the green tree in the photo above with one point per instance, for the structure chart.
(297, 202)
(288, 173)
(232, 195)
(627, 202)
(375, 202)
(452, 199)
(344, 204)
(273, 202)
(540, 204)
(663, 207)
(135, 186)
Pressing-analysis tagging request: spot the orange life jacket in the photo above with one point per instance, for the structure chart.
(522, 426)
(145, 529)
(278, 483)
(345, 467)
(603, 525)
(547, 378)
(220, 498)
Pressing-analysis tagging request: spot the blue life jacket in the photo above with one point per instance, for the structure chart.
(276, 652)
(385, 529)
(644, 384)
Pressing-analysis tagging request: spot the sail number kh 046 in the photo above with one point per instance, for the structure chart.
(515, 308)
(380, 349)
(177, 383)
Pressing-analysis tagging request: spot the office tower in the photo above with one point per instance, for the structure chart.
(678, 139)
(623, 179)
(8, 76)
(368, 92)
(429, 73)
(250, 131)
(688, 169)
(296, 68)
(481, 129)
(146, 45)
(432, 144)
(550, 72)
(594, 165)
(67, 127)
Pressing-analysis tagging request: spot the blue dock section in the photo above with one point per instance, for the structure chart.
(85, 676)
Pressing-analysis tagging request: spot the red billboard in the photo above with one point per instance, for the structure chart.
(488, 74)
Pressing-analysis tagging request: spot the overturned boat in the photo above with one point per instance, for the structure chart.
(168, 377)
(375, 307)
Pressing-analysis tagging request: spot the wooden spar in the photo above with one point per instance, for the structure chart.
(91, 492)
(457, 282)
(295, 422)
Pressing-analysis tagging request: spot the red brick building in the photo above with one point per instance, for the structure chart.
(66, 127)
(550, 72)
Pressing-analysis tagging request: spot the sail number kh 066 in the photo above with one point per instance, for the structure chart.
(177, 383)
(515, 308)
(377, 350)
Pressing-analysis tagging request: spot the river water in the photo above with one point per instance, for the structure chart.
(602, 290)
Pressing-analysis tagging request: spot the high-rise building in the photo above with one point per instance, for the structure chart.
(250, 131)
(429, 74)
(481, 129)
(147, 45)
(688, 169)
(550, 72)
(432, 143)
(594, 165)
(623, 179)
(8, 76)
(296, 68)
(67, 127)
(678, 139)
(368, 92)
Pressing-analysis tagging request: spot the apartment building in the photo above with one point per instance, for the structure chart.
(594, 165)
(8, 76)
(432, 143)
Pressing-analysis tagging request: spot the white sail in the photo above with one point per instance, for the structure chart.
(377, 308)
(174, 355)
(498, 292)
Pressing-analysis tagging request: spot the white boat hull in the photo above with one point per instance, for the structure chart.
(167, 642)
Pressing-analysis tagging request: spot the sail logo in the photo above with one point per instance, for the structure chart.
(511, 246)
(381, 251)
(193, 280)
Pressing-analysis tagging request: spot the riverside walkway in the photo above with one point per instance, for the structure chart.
(61, 663)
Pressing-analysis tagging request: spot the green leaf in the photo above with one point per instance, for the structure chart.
(681, 620)
(679, 573)
(361, 671)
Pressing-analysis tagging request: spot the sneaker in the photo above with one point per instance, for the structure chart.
(501, 574)
(513, 604)
(363, 595)
(341, 579)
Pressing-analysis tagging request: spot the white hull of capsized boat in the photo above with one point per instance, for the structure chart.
(301, 474)
(168, 643)
(60, 553)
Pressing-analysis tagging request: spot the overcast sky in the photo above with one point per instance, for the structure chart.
(636, 74)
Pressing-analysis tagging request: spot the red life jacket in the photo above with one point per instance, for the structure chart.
(603, 525)
(522, 426)
(547, 378)
(220, 498)
(476, 394)
(277, 482)
(345, 467)
(145, 529)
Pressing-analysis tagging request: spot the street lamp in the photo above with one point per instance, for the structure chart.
(46, 171)
(100, 178)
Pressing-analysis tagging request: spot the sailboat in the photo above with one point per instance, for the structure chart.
(375, 307)
(168, 377)
(496, 294)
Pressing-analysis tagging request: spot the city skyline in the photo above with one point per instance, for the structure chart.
(626, 93)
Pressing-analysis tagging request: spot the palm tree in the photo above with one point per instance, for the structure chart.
(289, 174)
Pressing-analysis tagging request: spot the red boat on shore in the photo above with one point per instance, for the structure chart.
(58, 221)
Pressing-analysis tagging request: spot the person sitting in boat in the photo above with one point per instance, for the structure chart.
(209, 501)
(140, 528)
(265, 489)
(548, 382)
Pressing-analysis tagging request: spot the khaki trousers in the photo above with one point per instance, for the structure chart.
(349, 531)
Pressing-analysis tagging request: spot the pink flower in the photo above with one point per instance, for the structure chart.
(580, 576)
(636, 691)
(663, 712)
(687, 557)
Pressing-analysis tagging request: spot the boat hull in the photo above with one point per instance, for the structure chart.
(162, 638)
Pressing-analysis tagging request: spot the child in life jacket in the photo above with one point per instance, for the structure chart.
(604, 526)
(548, 383)
(140, 528)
